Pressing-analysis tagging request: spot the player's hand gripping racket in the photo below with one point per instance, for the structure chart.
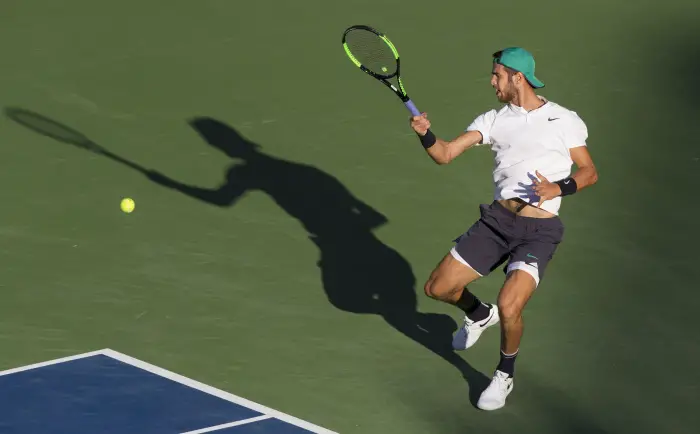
(374, 53)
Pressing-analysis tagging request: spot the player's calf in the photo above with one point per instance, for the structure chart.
(514, 295)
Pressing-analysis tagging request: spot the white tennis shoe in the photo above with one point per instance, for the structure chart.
(494, 397)
(472, 330)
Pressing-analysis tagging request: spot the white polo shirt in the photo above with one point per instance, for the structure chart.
(524, 142)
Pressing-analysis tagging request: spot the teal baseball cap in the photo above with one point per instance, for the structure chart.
(519, 60)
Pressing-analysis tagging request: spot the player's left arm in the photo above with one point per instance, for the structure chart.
(585, 176)
(586, 173)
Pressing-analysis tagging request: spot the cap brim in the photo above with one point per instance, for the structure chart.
(534, 82)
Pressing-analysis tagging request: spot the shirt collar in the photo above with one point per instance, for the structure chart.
(521, 110)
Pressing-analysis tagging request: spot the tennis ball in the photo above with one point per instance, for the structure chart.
(384, 69)
(127, 205)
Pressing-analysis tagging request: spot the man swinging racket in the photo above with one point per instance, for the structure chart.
(535, 142)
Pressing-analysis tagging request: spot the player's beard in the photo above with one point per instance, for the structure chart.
(506, 95)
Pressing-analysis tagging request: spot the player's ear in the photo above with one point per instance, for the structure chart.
(518, 77)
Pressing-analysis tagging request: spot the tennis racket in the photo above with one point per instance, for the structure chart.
(374, 54)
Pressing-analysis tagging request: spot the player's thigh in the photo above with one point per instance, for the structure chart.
(515, 293)
(449, 276)
(527, 266)
(476, 253)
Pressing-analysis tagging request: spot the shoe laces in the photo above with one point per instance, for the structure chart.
(501, 380)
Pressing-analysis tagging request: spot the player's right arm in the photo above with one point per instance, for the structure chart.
(226, 195)
(443, 151)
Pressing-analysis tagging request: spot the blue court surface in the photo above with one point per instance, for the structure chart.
(109, 392)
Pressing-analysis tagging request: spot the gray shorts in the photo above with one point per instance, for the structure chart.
(527, 243)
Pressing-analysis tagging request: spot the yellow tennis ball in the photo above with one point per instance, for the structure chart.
(127, 205)
(384, 69)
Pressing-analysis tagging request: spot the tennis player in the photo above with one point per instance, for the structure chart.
(535, 142)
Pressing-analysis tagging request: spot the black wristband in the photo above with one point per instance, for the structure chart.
(568, 186)
(428, 139)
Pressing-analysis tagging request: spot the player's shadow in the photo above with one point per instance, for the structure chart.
(360, 273)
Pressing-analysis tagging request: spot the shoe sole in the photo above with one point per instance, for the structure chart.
(497, 407)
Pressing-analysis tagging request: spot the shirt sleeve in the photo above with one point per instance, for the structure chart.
(577, 133)
(483, 124)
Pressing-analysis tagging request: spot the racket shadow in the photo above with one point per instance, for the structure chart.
(45, 126)
(50, 128)
(360, 274)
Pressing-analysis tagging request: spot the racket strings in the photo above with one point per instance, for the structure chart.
(372, 52)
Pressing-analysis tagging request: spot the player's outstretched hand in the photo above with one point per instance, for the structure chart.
(420, 124)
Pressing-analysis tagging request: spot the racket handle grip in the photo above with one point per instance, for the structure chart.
(412, 108)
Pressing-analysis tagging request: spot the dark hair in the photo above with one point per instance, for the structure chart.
(497, 59)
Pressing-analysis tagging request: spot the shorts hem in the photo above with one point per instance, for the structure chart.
(529, 269)
(459, 258)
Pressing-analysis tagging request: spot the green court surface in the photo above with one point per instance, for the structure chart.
(281, 250)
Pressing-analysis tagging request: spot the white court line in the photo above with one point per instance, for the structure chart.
(216, 392)
(51, 362)
(268, 412)
(229, 425)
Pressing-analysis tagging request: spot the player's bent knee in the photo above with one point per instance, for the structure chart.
(428, 288)
(449, 278)
(438, 289)
(431, 288)
(508, 310)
